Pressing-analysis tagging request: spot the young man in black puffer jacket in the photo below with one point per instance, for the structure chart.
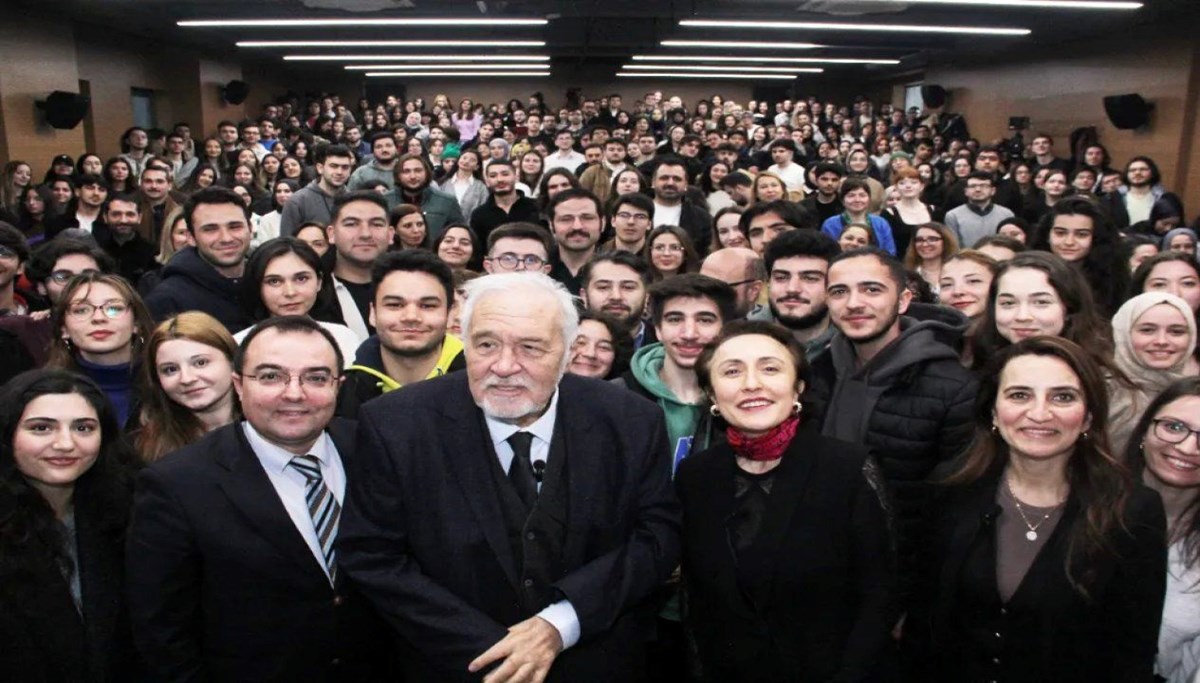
(893, 382)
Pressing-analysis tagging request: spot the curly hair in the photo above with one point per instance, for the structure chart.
(1103, 266)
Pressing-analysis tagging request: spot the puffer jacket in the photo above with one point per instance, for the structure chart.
(920, 402)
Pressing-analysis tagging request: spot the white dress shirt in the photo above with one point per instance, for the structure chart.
(291, 486)
(561, 615)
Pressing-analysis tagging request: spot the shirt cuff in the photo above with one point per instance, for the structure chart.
(562, 617)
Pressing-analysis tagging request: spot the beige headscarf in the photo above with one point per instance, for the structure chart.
(1127, 403)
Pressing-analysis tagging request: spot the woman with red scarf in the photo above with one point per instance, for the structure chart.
(787, 564)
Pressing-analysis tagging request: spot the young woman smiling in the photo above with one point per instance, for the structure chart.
(187, 379)
(1154, 336)
(101, 324)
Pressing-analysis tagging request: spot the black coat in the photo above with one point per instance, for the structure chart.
(223, 587)
(827, 611)
(43, 639)
(189, 283)
(921, 421)
(423, 531)
(961, 632)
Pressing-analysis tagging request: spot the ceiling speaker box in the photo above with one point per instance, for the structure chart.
(934, 96)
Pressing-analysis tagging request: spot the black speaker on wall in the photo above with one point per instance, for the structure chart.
(934, 96)
(235, 92)
(64, 110)
(1127, 111)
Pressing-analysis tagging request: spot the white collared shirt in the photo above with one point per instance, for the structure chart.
(561, 615)
(542, 431)
(291, 486)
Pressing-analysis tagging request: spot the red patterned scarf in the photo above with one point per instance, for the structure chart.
(769, 446)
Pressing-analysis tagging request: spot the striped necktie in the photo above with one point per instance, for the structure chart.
(322, 507)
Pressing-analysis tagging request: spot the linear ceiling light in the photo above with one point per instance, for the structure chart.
(357, 23)
(450, 74)
(445, 67)
(715, 74)
(1033, 4)
(771, 60)
(838, 26)
(720, 69)
(391, 43)
(414, 58)
(757, 45)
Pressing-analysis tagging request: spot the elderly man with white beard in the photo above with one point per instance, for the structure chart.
(510, 521)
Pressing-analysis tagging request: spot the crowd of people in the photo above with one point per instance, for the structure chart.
(669, 392)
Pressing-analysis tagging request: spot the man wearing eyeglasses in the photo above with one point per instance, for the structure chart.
(231, 568)
(25, 339)
(979, 217)
(630, 220)
(505, 204)
(410, 311)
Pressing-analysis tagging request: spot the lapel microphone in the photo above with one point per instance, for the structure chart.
(539, 470)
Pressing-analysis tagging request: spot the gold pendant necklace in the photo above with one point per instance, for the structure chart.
(1031, 535)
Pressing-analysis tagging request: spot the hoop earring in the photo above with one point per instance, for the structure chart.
(797, 407)
(712, 410)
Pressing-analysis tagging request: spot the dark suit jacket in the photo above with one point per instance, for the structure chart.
(43, 639)
(222, 586)
(827, 610)
(423, 531)
(960, 630)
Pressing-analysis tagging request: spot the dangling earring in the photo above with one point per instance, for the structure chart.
(712, 410)
(67, 343)
(1084, 436)
(797, 407)
(994, 429)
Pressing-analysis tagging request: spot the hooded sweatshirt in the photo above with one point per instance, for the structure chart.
(858, 389)
(682, 418)
(189, 283)
(309, 204)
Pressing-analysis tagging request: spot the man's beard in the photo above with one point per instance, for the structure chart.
(883, 330)
(800, 322)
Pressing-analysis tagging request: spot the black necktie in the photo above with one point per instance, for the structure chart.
(520, 473)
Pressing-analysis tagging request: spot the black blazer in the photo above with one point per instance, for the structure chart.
(223, 587)
(827, 611)
(44, 639)
(961, 631)
(423, 531)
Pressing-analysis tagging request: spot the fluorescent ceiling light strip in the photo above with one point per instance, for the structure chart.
(391, 43)
(447, 74)
(837, 26)
(357, 23)
(769, 60)
(445, 67)
(414, 58)
(1033, 4)
(715, 74)
(756, 45)
(719, 69)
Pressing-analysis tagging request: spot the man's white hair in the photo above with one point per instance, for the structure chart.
(514, 285)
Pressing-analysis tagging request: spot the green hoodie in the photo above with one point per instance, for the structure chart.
(682, 418)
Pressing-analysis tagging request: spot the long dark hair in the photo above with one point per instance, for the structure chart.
(1100, 482)
(31, 538)
(1103, 266)
(1082, 322)
(256, 268)
(1136, 459)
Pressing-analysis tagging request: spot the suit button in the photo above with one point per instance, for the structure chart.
(338, 601)
(995, 660)
(528, 583)
(1003, 612)
(530, 536)
(998, 636)
(335, 662)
